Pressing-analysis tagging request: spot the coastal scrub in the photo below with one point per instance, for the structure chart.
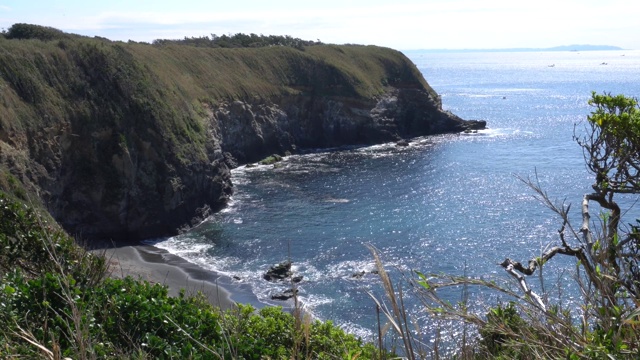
(57, 300)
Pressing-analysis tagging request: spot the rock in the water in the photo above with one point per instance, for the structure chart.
(281, 272)
(278, 272)
(402, 143)
(475, 125)
(285, 295)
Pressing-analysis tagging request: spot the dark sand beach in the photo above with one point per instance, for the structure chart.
(155, 265)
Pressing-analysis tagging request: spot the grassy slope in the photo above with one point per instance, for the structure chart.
(214, 74)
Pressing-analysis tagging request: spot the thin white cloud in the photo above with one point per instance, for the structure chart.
(404, 24)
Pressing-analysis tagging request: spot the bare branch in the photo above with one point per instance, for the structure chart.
(523, 285)
(535, 263)
(586, 217)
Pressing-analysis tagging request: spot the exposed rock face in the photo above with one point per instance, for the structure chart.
(122, 186)
(251, 130)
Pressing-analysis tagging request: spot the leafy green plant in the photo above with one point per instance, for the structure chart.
(502, 333)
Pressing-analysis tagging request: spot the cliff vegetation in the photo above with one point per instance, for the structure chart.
(124, 141)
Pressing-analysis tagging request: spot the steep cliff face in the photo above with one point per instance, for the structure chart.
(250, 130)
(122, 186)
(131, 141)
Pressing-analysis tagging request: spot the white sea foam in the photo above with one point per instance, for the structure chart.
(311, 301)
(198, 253)
(348, 268)
(500, 132)
(232, 204)
(333, 200)
(181, 246)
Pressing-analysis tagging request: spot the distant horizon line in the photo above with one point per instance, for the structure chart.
(526, 49)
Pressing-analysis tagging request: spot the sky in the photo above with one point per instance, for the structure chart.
(399, 24)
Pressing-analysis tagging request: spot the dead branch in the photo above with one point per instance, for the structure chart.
(584, 229)
(523, 285)
(535, 263)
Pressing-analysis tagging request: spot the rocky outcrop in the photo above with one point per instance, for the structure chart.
(285, 295)
(251, 130)
(281, 272)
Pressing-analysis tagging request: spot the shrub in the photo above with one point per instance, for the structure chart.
(29, 31)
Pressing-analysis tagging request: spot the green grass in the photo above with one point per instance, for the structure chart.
(245, 73)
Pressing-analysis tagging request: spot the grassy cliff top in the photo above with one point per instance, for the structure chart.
(214, 73)
(219, 73)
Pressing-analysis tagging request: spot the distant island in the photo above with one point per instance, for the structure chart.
(556, 48)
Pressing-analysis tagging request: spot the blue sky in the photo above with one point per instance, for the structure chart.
(400, 24)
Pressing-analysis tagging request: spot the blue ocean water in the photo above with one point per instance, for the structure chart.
(445, 204)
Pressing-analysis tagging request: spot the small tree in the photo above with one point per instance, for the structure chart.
(608, 254)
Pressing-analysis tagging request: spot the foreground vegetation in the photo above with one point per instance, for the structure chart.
(56, 300)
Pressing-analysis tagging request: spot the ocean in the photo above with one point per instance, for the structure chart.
(446, 204)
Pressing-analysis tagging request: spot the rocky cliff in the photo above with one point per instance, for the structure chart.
(126, 141)
(249, 130)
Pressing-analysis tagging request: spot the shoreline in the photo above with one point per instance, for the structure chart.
(155, 265)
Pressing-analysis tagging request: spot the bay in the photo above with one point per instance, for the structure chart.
(446, 204)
